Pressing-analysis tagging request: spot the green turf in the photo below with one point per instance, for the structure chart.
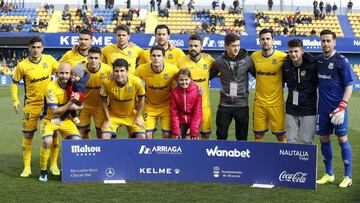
(16, 189)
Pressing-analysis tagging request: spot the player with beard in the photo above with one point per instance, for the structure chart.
(162, 36)
(233, 68)
(123, 99)
(79, 53)
(199, 65)
(269, 100)
(123, 49)
(57, 103)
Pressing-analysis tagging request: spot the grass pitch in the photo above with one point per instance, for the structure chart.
(16, 189)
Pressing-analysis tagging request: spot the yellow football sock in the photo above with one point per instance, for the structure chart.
(44, 157)
(55, 150)
(27, 152)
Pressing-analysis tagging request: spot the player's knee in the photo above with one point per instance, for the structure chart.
(342, 139)
(324, 138)
(28, 135)
(106, 136)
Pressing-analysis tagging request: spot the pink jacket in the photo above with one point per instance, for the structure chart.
(186, 108)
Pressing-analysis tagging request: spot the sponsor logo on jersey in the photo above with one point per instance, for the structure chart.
(274, 61)
(266, 73)
(129, 53)
(130, 89)
(205, 67)
(199, 80)
(158, 88)
(303, 72)
(170, 56)
(39, 79)
(160, 149)
(166, 76)
(326, 77)
(228, 153)
(298, 177)
(45, 65)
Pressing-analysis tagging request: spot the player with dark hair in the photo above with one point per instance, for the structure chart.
(233, 67)
(269, 101)
(79, 53)
(36, 71)
(300, 74)
(159, 77)
(122, 49)
(98, 72)
(125, 95)
(335, 89)
(162, 36)
(199, 65)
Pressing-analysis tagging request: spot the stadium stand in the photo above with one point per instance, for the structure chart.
(297, 25)
(356, 68)
(354, 19)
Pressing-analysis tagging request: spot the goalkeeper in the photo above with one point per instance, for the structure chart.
(335, 90)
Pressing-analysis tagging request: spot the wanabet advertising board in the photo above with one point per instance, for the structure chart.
(289, 165)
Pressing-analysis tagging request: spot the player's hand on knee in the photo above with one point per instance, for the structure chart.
(106, 124)
(140, 123)
(16, 106)
(338, 115)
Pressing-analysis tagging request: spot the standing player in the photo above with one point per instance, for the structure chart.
(233, 68)
(199, 66)
(98, 73)
(162, 35)
(158, 77)
(300, 75)
(56, 104)
(335, 90)
(125, 94)
(122, 49)
(36, 72)
(269, 100)
(80, 52)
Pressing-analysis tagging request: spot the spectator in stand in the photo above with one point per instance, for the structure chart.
(223, 6)
(322, 16)
(236, 4)
(321, 6)
(317, 13)
(179, 4)
(334, 8)
(313, 32)
(214, 4)
(96, 3)
(270, 4)
(328, 8)
(152, 5)
(35, 25)
(190, 5)
(158, 2)
(66, 14)
(168, 4)
(349, 6)
(286, 31)
(315, 4)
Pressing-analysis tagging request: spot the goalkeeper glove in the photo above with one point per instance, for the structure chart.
(337, 116)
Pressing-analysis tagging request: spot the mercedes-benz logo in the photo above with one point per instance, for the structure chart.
(110, 172)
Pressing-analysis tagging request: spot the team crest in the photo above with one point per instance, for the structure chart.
(129, 53)
(274, 61)
(303, 72)
(166, 76)
(45, 65)
(129, 89)
(170, 56)
(51, 98)
(102, 75)
(205, 67)
(331, 66)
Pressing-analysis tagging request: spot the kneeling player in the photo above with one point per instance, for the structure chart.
(57, 103)
(125, 94)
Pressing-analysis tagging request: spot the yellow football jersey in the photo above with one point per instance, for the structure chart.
(36, 76)
(171, 56)
(54, 96)
(158, 85)
(200, 73)
(73, 58)
(93, 85)
(130, 53)
(269, 88)
(122, 99)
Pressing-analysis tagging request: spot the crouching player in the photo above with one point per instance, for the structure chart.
(335, 90)
(125, 94)
(56, 103)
